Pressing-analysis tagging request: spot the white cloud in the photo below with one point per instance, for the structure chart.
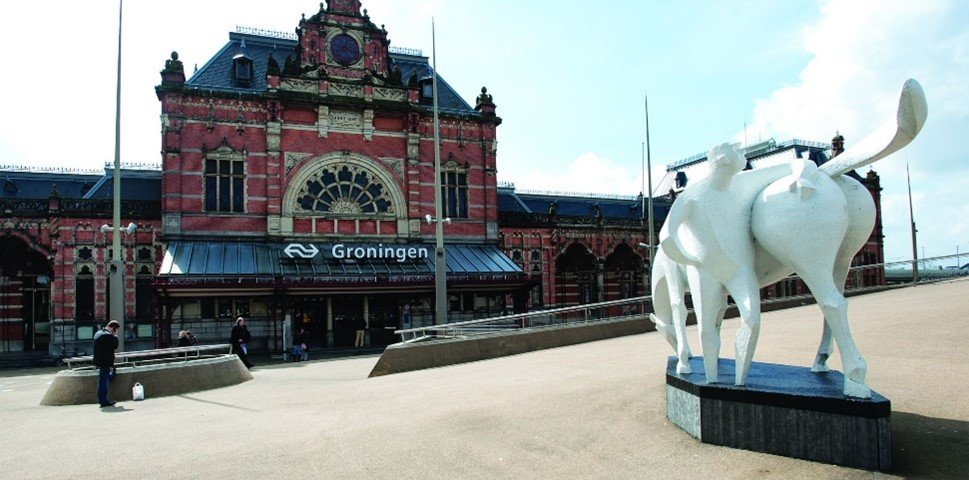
(862, 51)
(586, 174)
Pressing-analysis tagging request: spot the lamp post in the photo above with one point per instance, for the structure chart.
(911, 216)
(117, 262)
(440, 279)
(116, 275)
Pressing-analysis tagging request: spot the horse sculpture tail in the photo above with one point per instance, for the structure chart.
(668, 331)
(889, 138)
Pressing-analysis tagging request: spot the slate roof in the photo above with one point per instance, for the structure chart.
(510, 201)
(448, 100)
(762, 154)
(25, 185)
(216, 74)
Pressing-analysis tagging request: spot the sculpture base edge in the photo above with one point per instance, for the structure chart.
(783, 410)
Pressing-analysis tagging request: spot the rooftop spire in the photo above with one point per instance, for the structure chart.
(346, 7)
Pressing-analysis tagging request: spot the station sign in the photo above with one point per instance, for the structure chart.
(359, 251)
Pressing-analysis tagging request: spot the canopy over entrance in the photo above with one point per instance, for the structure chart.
(318, 266)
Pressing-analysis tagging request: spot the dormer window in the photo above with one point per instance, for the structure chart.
(680, 180)
(242, 69)
(427, 90)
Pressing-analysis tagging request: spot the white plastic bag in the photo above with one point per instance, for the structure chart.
(137, 392)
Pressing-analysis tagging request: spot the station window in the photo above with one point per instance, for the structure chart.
(454, 194)
(143, 295)
(223, 308)
(225, 185)
(345, 190)
(84, 295)
(536, 256)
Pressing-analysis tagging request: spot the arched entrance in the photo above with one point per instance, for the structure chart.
(623, 273)
(25, 313)
(576, 278)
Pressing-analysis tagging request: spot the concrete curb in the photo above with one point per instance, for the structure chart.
(404, 357)
(76, 387)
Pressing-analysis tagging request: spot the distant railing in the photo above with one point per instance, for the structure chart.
(414, 52)
(79, 207)
(261, 32)
(141, 166)
(152, 357)
(860, 278)
(50, 169)
(526, 219)
(630, 308)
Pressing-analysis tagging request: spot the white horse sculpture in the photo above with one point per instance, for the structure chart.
(802, 219)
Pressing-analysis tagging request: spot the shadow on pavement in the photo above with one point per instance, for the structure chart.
(116, 409)
(927, 447)
(186, 397)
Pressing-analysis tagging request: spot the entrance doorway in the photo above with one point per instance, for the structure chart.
(310, 314)
(25, 314)
(384, 320)
(347, 311)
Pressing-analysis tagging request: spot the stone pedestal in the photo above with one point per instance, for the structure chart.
(783, 410)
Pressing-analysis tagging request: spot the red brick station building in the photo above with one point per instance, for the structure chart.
(297, 173)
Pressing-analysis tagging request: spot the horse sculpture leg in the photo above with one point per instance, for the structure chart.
(825, 348)
(663, 311)
(669, 288)
(743, 287)
(679, 327)
(707, 296)
(835, 308)
(861, 212)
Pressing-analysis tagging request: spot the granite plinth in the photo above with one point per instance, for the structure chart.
(783, 410)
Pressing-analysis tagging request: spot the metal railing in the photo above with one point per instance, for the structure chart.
(860, 279)
(152, 357)
(629, 308)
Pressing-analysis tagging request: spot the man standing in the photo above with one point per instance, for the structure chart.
(105, 343)
(240, 341)
(359, 324)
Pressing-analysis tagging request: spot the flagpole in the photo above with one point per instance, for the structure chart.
(440, 272)
(649, 177)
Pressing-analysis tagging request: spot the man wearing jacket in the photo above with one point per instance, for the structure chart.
(240, 339)
(105, 343)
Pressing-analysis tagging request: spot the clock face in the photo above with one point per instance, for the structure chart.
(345, 49)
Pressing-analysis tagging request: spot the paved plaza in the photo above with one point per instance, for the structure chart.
(595, 410)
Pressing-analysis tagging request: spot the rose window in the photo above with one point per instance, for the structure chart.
(344, 190)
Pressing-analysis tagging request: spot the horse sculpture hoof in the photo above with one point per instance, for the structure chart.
(682, 367)
(855, 389)
(820, 367)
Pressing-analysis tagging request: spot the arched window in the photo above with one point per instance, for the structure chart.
(344, 190)
(143, 293)
(84, 295)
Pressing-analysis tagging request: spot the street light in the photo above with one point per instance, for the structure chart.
(440, 279)
(117, 265)
(430, 219)
(116, 273)
(131, 228)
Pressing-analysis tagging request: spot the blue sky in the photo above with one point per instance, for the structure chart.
(568, 78)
